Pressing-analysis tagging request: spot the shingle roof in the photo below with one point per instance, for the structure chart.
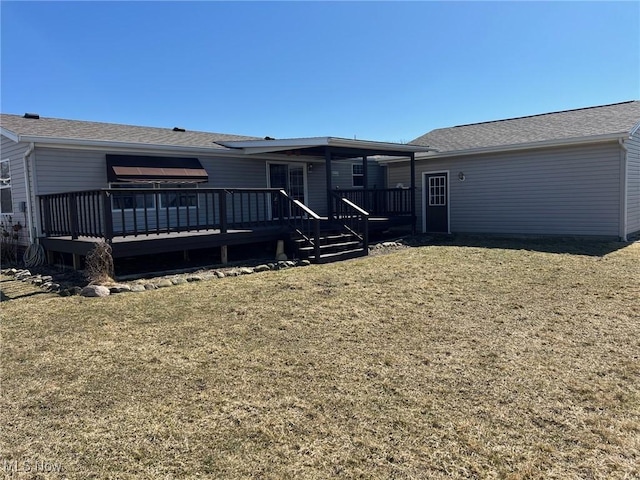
(618, 118)
(56, 128)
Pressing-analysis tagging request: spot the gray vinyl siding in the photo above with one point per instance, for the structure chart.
(633, 184)
(14, 152)
(317, 189)
(64, 170)
(343, 173)
(560, 191)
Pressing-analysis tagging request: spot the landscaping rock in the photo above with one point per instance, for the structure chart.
(137, 288)
(245, 271)
(219, 274)
(304, 263)
(149, 286)
(261, 268)
(194, 278)
(178, 281)
(75, 291)
(119, 288)
(95, 291)
(165, 282)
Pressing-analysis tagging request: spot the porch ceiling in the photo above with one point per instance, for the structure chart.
(317, 147)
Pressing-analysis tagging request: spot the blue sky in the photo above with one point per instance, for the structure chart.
(387, 71)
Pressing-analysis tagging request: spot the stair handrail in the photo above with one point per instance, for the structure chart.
(308, 228)
(357, 222)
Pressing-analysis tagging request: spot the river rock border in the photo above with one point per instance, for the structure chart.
(67, 288)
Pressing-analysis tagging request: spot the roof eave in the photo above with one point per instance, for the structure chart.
(516, 147)
(270, 146)
(74, 142)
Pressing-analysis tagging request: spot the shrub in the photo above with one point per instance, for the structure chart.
(99, 264)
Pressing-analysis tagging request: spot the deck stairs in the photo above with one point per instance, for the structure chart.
(334, 246)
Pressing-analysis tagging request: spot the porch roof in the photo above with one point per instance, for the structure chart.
(318, 146)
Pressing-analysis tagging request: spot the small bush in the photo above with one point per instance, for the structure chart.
(99, 264)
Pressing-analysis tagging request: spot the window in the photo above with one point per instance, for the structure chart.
(178, 199)
(6, 201)
(357, 175)
(128, 200)
(437, 191)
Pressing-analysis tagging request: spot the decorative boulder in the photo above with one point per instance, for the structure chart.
(95, 291)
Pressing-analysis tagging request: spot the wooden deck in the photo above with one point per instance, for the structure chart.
(130, 246)
(138, 221)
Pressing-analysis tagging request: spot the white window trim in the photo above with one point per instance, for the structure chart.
(354, 175)
(8, 187)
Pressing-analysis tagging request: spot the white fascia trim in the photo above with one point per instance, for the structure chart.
(265, 146)
(634, 130)
(9, 134)
(513, 148)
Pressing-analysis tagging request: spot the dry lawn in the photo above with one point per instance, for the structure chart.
(450, 361)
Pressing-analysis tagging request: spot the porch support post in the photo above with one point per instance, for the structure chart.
(224, 254)
(327, 162)
(412, 169)
(365, 179)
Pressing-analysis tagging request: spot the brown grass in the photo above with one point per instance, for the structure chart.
(432, 362)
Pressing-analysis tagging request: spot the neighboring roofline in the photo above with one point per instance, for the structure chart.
(270, 146)
(516, 147)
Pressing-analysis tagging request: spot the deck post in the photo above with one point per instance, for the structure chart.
(413, 192)
(107, 221)
(45, 212)
(73, 216)
(76, 261)
(224, 254)
(327, 161)
(222, 196)
(365, 185)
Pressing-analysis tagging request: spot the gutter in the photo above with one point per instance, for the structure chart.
(624, 188)
(74, 142)
(27, 187)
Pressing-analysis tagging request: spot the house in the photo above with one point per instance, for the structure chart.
(151, 190)
(568, 173)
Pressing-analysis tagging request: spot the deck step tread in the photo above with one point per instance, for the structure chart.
(343, 255)
(310, 248)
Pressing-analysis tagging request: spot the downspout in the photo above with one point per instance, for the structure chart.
(27, 188)
(624, 184)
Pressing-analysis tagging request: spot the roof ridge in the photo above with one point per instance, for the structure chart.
(540, 114)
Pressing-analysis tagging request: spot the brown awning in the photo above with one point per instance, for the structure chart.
(144, 169)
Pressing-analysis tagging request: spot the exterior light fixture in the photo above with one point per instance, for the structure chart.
(461, 176)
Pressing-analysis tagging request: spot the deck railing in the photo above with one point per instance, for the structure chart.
(380, 202)
(122, 212)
